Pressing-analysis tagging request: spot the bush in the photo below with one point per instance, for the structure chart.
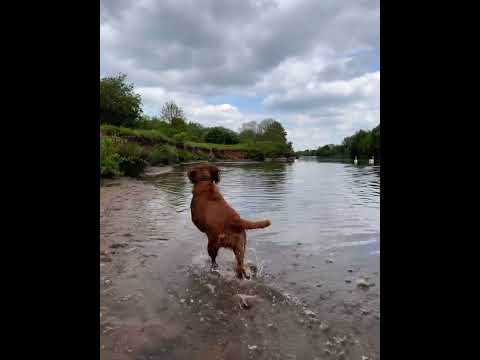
(132, 158)
(181, 137)
(141, 135)
(184, 156)
(163, 155)
(109, 160)
(119, 104)
(247, 136)
(256, 155)
(220, 135)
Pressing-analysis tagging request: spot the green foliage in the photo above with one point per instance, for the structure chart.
(330, 150)
(163, 155)
(196, 132)
(363, 144)
(133, 158)
(141, 135)
(189, 131)
(272, 130)
(109, 160)
(247, 136)
(119, 105)
(268, 138)
(221, 135)
(375, 142)
(181, 137)
(178, 125)
(121, 117)
(185, 156)
(359, 144)
(256, 155)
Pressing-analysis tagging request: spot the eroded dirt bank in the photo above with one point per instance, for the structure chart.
(159, 299)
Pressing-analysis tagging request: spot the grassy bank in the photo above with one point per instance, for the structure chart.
(132, 140)
(127, 151)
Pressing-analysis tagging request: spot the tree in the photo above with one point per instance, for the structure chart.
(251, 126)
(196, 131)
(173, 114)
(272, 130)
(221, 135)
(361, 144)
(247, 136)
(264, 125)
(119, 104)
(375, 142)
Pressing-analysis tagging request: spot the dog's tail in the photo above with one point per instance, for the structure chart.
(249, 225)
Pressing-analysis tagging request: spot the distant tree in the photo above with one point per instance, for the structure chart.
(251, 126)
(290, 148)
(247, 136)
(144, 122)
(119, 104)
(325, 150)
(272, 130)
(173, 114)
(264, 125)
(221, 135)
(361, 144)
(195, 131)
(375, 142)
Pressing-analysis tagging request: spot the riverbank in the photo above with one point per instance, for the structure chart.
(159, 299)
(125, 151)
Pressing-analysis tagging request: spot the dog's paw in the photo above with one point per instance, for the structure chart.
(253, 269)
(247, 274)
(214, 270)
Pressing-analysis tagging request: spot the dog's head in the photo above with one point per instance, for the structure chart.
(204, 173)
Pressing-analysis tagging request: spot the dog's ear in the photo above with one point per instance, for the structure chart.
(192, 175)
(215, 174)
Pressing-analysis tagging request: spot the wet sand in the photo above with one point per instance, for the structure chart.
(160, 300)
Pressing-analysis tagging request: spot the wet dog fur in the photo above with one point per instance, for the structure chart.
(212, 215)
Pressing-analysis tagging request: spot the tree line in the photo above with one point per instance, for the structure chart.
(362, 144)
(121, 106)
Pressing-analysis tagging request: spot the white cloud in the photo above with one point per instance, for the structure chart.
(315, 94)
(195, 108)
(314, 63)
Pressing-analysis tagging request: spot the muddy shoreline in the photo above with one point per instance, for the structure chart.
(159, 299)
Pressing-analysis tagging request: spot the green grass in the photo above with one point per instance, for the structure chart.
(109, 159)
(155, 135)
(209, 146)
(158, 137)
(163, 155)
(126, 151)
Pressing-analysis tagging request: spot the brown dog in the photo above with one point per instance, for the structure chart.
(212, 215)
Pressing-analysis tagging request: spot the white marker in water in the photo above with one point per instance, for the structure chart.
(355, 161)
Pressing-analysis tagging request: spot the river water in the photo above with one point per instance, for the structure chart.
(327, 207)
(322, 248)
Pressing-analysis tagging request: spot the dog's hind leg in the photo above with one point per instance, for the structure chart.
(212, 251)
(239, 251)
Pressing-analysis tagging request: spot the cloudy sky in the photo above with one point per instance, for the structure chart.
(313, 65)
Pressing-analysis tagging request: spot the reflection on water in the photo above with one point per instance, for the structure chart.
(322, 204)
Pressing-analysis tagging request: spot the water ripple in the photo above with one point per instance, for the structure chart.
(325, 204)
